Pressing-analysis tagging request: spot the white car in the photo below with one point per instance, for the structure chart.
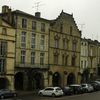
(87, 87)
(51, 91)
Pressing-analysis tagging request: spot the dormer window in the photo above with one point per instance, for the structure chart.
(61, 27)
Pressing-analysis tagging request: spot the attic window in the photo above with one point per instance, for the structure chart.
(61, 27)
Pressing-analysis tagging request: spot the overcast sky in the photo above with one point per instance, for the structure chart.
(85, 12)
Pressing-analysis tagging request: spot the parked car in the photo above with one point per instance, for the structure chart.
(87, 87)
(4, 93)
(95, 85)
(97, 82)
(77, 89)
(68, 90)
(51, 91)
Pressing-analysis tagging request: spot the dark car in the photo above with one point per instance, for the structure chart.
(68, 90)
(4, 93)
(77, 89)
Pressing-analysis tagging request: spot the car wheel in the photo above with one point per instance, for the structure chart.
(2, 97)
(86, 90)
(15, 95)
(76, 92)
(53, 95)
(40, 94)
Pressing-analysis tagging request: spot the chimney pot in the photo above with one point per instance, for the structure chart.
(5, 9)
(37, 14)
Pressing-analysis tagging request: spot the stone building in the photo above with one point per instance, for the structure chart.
(47, 52)
(64, 50)
(31, 58)
(89, 59)
(7, 55)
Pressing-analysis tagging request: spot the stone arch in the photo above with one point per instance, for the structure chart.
(71, 79)
(38, 80)
(4, 82)
(19, 78)
(35, 80)
(56, 79)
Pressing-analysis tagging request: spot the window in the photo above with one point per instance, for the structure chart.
(63, 59)
(74, 46)
(71, 30)
(64, 44)
(32, 57)
(24, 23)
(4, 31)
(42, 42)
(34, 25)
(85, 65)
(41, 58)
(55, 59)
(81, 64)
(2, 65)
(73, 61)
(43, 27)
(33, 40)
(3, 48)
(23, 39)
(66, 60)
(23, 53)
(56, 43)
(61, 28)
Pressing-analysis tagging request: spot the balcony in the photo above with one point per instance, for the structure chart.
(28, 65)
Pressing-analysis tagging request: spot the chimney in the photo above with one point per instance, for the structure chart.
(5, 9)
(37, 14)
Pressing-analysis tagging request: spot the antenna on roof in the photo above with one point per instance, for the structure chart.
(37, 5)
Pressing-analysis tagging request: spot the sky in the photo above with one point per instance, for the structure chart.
(85, 12)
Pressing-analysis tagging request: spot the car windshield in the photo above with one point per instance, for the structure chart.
(49, 89)
(58, 89)
(83, 85)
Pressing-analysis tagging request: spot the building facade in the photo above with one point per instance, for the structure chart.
(90, 59)
(64, 51)
(31, 58)
(7, 55)
(47, 52)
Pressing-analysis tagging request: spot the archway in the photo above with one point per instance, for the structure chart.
(85, 76)
(56, 79)
(3, 83)
(71, 79)
(38, 80)
(19, 81)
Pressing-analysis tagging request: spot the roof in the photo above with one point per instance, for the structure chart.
(91, 41)
(29, 15)
(65, 15)
(7, 22)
